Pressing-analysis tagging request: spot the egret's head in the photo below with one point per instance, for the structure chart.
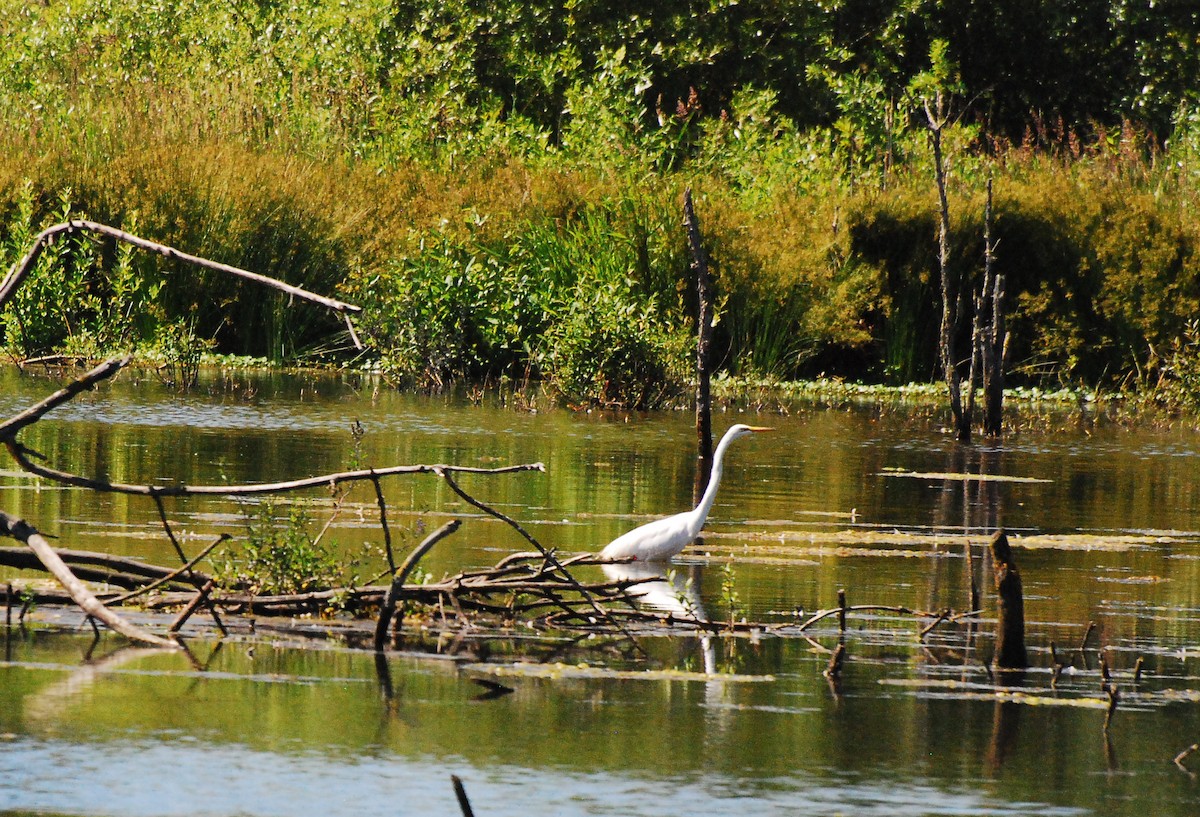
(741, 430)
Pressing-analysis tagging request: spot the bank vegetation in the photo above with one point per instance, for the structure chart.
(499, 185)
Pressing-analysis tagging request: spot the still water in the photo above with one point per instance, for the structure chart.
(1104, 520)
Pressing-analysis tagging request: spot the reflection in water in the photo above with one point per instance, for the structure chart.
(298, 731)
(47, 705)
(665, 590)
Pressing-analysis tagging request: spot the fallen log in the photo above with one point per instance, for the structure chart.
(88, 565)
(22, 531)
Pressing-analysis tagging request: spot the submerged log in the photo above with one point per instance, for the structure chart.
(1010, 608)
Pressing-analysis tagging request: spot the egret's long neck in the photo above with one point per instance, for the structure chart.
(714, 481)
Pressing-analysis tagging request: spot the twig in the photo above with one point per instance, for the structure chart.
(1137, 669)
(200, 598)
(1083, 643)
(383, 523)
(841, 611)
(162, 515)
(187, 568)
(1184, 755)
(942, 616)
(396, 590)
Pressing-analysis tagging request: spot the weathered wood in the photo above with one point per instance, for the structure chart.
(704, 328)
(996, 340)
(1010, 608)
(22, 531)
(834, 668)
(200, 598)
(99, 567)
(13, 425)
(936, 122)
(20, 271)
(396, 590)
(22, 456)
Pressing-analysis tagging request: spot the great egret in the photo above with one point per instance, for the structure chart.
(661, 539)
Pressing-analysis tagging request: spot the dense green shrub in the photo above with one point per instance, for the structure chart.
(499, 183)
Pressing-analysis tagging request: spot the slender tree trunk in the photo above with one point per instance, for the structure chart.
(961, 420)
(704, 319)
(995, 342)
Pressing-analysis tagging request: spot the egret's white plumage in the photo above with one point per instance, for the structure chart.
(661, 539)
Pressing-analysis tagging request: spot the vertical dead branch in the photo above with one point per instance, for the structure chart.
(834, 668)
(936, 122)
(383, 522)
(397, 587)
(1010, 602)
(704, 318)
(995, 339)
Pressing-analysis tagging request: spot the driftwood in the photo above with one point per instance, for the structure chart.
(22, 531)
(120, 571)
(396, 590)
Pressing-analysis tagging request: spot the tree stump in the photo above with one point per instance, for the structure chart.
(1010, 608)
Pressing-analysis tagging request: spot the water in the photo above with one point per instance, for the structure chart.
(271, 725)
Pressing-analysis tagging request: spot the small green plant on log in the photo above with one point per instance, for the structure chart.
(279, 556)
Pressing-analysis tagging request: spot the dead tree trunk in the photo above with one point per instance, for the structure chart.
(1010, 608)
(704, 320)
(995, 339)
(936, 116)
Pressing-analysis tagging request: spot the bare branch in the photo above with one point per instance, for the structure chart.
(22, 531)
(22, 268)
(11, 427)
(22, 456)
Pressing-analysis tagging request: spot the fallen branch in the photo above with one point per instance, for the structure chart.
(201, 598)
(20, 271)
(21, 455)
(396, 590)
(22, 531)
(187, 568)
(101, 567)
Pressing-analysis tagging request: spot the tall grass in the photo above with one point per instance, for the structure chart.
(289, 141)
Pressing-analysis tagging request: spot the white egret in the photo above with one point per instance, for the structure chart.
(661, 539)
